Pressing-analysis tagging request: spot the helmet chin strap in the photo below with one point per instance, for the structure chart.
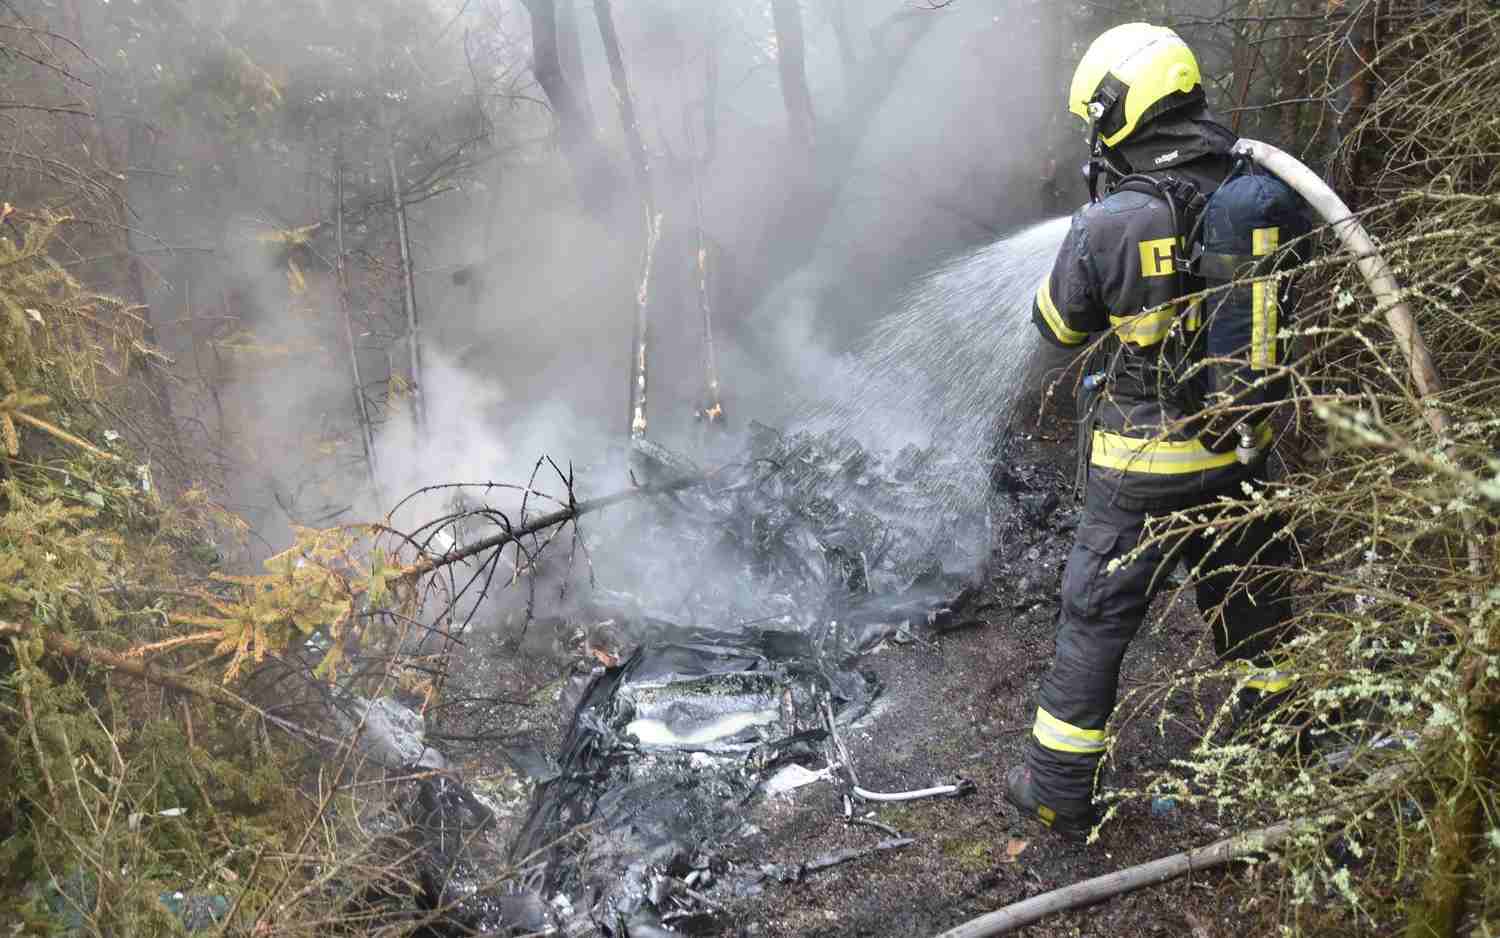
(1099, 166)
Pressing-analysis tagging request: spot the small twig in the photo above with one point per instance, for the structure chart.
(871, 822)
(838, 744)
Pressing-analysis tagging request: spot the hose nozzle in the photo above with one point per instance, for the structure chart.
(1247, 451)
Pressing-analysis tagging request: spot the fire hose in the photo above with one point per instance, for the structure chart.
(1372, 266)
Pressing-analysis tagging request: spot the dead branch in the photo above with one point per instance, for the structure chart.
(341, 274)
(64, 647)
(1019, 914)
(542, 522)
(408, 286)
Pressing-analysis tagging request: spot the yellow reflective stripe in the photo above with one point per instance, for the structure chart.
(1065, 737)
(1054, 319)
(1263, 303)
(1162, 457)
(1271, 682)
(1195, 316)
(1144, 329)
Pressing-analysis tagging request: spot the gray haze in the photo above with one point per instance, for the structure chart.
(525, 300)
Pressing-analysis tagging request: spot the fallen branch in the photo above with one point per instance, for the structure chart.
(794, 872)
(541, 523)
(77, 651)
(1090, 891)
(62, 434)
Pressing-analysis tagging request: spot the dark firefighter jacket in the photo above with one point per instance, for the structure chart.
(1115, 272)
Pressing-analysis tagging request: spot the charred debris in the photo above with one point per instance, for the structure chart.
(725, 674)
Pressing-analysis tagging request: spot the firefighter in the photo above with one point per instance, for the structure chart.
(1158, 156)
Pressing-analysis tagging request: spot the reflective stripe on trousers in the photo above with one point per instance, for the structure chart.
(1062, 736)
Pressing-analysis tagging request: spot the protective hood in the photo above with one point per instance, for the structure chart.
(1175, 139)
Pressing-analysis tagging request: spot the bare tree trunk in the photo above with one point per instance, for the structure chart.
(1360, 50)
(1247, 58)
(639, 159)
(570, 54)
(711, 412)
(1456, 822)
(366, 432)
(1295, 76)
(592, 172)
(118, 158)
(640, 371)
(710, 100)
(640, 162)
(408, 286)
(1053, 36)
(791, 62)
(838, 15)
(804, 211)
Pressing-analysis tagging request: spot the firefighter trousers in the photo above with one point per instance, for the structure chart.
(1104, 601)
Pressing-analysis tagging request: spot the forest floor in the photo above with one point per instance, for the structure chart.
(962, 705)
(959, 705)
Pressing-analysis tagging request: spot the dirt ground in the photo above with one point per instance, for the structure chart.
(961, 706)
(958, 705)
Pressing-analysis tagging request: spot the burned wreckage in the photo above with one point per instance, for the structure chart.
(738, 684)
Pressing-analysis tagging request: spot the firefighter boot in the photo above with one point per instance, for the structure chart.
(1021, 791)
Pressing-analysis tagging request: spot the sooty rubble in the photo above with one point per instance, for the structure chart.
(812, 552)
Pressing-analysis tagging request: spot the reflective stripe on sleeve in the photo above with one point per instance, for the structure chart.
(1061, 736)
(1144, 329)
(1263, 303)
(1162, 457)
(1267, 680)
(1271, 682)
(1054, 318)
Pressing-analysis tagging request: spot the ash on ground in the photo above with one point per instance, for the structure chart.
(731, 678)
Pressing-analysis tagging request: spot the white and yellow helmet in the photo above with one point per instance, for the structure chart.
(1129, 75)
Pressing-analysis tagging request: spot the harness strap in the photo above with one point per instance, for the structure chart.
(1213, 266)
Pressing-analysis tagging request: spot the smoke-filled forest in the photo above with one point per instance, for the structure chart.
(547, 467)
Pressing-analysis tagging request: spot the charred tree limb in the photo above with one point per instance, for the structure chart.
(573, 510)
